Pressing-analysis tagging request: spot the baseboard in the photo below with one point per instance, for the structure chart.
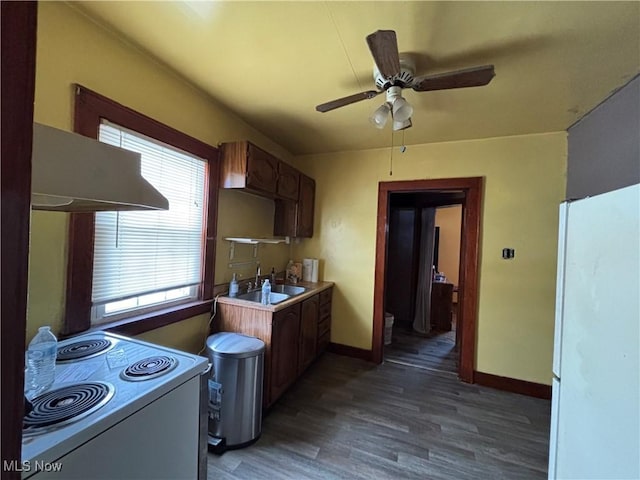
(514, 385)
(349, 351)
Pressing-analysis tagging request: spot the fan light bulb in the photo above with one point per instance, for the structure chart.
(380, 117)
(402, 110)
(401, 125)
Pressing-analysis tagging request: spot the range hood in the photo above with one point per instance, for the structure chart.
(74, 173)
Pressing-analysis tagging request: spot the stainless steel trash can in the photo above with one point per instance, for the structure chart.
(235, 390)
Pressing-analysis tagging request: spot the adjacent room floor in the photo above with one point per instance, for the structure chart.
(350, 419)
(436, 352)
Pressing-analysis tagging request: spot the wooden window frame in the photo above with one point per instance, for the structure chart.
(90, 109)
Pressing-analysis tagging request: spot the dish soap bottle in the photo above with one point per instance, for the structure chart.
(233, 287)
(266, 293)
(41, 362)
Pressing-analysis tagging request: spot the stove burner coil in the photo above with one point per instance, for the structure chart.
(149, 368)
(83, 349)
(65, 405)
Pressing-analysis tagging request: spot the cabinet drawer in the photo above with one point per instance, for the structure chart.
(325, 296)
(323, 341)
(325, 310)
(324, 325)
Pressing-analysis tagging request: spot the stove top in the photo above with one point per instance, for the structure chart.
(64, 405)
(149, 368)
(60, 423)
(83, 349)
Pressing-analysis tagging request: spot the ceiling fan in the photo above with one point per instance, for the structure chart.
(394, 72)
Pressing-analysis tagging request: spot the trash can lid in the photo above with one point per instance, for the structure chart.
(235, 345)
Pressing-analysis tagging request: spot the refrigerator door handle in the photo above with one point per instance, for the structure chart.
(560, 276)
(553, 434)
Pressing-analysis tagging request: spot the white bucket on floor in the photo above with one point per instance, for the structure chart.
(388, 328)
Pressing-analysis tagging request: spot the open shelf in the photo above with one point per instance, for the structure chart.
(254, 241)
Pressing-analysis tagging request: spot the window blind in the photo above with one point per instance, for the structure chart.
(137, 253)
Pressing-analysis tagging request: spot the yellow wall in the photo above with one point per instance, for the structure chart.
(449, 219)
(524, 183)
(73, 49)
(525, 178)
(244, 215)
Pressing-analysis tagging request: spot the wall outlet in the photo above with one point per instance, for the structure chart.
(508, 253)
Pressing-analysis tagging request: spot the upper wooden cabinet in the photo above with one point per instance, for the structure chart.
(306, 204)
(288, 180)
(295, 219)
(248, 167)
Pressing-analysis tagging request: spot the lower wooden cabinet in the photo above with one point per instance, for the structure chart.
(441, 306)
(324, 320)
(285, 334)
(294, 337)
(308, 333)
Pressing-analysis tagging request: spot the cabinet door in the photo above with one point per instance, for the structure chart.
(306, 205)
(284, 350)
(402, 260)
(262, 170)
(308, 333)
(288, 179)
(284, 218)
(295, 219)
(324, 321)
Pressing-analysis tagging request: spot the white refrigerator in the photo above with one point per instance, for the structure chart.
(595, 407)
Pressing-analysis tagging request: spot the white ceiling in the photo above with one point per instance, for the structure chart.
(273, 62)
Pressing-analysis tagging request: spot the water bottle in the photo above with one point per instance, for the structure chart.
(41, 362)
(266, 293)
(233, 287)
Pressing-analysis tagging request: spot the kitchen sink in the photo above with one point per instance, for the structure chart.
(291, 290)
(256, 296)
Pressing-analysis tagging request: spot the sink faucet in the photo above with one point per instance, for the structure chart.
(258, 276)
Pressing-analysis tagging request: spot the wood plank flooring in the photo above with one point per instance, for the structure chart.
(438, 352)
(349, 419)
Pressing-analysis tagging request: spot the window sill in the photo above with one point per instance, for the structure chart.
(150, 321)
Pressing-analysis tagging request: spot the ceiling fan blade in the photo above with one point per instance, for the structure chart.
(341, 102)
(384, 49)
(468, 77)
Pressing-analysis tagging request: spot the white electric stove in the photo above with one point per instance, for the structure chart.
(119, 408)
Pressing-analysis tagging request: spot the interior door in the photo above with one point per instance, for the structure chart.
(402, 261)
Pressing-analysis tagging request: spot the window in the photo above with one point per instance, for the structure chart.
(134, 271)
(145, 260)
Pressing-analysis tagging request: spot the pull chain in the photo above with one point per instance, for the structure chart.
(391, 156)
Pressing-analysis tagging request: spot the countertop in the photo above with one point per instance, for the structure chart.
(314, 289)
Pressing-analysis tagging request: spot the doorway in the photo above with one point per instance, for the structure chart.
(467, 192)
(420, 307)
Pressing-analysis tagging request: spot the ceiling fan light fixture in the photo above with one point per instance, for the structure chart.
(380, 117)
(402, 110)
(397, 125)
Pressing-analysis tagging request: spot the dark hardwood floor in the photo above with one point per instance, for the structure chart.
(349, 419)
(436, 352)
